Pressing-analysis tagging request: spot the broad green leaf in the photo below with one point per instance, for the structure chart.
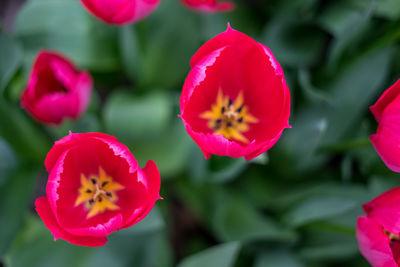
(134, 118)
(66, 27)
(383, 8)
(8, 161)
(131, 51)
(353, 90)
(223, 255)
(340, 17)
(167, 50)
(299, 144)
(227, 169)
(85, 124)
(151, 223)
(328, 245)
(388, 8)
(169, 151)
(292, 43)
(15, 198)
(10, 58)
(278, 258)
(318, 208)
(349, 23)
(35, 246)
(236, 220)
(27, 140)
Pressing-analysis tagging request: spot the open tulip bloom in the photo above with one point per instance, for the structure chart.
(386, 140)
(95, 187)
(378, 232)
(120, 12)
(209, 6)
(235, 101)
(56, 89)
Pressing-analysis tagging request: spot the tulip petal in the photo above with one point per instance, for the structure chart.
(374, 243)
(386, 98)
(46, 214)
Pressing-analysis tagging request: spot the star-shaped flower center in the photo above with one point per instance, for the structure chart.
(231, 119)
(98, 193)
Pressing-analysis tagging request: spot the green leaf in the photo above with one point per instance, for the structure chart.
(293, 43)
(145, 125)
(28, 248)
(85, 124)
(236, 220)
(341, 17)
(278, 258)
(65, 26)
(388, 8)
(153, 222)
(300, 143)
(227, 170)
(328, 245)
(218, 256)
(169, 151)
(22, 134)
(15, 198)
(131, 53)
(125, 248)
(134, 118)
(8, 161)
(353, 90)
(168, 50)
(318, 208)
(11, 58)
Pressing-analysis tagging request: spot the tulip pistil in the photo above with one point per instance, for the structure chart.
(98, 193)
(231, 119)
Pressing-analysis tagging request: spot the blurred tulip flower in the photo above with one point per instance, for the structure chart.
(235, 101)
(120, 12)
(56, 89)
(95, 187)
(386, 140)
(209, 6)
(378, 233)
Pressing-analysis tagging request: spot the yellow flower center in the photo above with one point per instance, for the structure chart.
(231, 119)
(392, 236)
(97, 193)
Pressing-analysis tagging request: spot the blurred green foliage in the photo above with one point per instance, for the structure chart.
(294, 206)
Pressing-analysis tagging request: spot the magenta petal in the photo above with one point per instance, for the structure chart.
(233, 64)
(387, 150)
(83, 209)
(374, 243)
(208, 6)
(386, 98)
(120, 12)
(46, 214)
(56, 89)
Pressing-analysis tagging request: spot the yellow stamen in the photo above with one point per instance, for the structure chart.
(229, 118)
(98, 193)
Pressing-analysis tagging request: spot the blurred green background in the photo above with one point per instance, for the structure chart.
(294, 206)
